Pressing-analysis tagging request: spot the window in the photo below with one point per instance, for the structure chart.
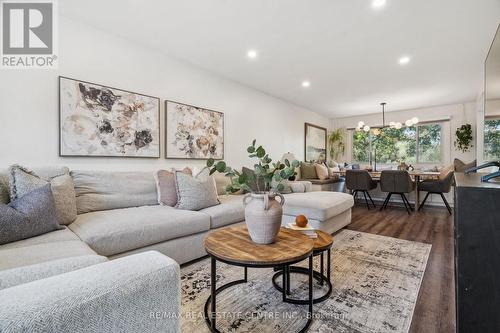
(492, 139)
(415, 144)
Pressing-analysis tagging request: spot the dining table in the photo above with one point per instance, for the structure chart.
(416, 175)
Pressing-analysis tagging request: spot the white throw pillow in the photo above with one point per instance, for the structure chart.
(321, 171)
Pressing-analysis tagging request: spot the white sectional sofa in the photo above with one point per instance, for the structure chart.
(64, 280)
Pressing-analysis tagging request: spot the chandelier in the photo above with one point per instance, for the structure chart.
(397, 125)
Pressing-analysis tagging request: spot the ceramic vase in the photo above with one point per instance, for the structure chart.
(263, 215)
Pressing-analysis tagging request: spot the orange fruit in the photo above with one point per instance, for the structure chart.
(301, 221)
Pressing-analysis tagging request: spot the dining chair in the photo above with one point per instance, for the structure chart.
(440, 186)
(396, 182)
(360, 181)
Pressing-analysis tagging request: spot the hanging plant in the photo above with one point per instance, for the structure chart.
(463, 140)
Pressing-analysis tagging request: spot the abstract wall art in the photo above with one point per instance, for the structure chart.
(193, 132)
(314, 143)
(101, 121)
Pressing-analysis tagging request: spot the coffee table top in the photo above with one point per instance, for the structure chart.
(234, 246)
(323, 242)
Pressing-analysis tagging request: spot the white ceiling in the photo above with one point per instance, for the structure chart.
(348, 50)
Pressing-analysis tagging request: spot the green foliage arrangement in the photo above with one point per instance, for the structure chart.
(264, 169)
(336, 143)
(492, 139)
(463, 139)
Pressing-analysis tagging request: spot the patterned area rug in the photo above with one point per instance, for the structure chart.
(375, 279)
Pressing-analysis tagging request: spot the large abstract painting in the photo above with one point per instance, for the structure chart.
(315, 143)
(101, 121)
(193, 132)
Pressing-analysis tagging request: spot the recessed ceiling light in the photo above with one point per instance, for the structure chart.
(306, 84)
(404, 60)
(378, 3)
(252, 54)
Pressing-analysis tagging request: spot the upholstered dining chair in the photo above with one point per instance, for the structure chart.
(396, 182)
(439, 186)
(360, 181)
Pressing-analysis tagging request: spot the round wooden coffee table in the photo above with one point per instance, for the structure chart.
(322, 244)
(233, 246)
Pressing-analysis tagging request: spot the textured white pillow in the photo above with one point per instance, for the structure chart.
(195, 193)
(321, 171)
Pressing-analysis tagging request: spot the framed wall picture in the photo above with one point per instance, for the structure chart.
(100, 121)
(314, 143)
(193, 132)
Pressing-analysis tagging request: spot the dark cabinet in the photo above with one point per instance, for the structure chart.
(477, 254)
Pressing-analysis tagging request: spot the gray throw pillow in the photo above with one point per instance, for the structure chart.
(31, 215)
(195, 193)
(308, 171)
(23, 181)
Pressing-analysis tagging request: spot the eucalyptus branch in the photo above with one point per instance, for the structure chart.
(264, 170)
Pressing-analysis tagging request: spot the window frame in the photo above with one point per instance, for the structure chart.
(489, 118)
(417, 143)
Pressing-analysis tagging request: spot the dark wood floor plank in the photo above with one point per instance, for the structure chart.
(435, 308)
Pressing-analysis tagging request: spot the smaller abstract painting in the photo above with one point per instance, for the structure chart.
(193, 132)
(106, 122)
(315, 143)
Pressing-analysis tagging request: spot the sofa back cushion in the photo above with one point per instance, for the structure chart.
(105, 190)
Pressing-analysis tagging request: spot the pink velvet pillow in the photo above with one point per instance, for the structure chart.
(165, 185)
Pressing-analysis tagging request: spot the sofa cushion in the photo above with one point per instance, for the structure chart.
(31, 215)
(34, 254)
(19, 275)
(114, 231)
(230, 210)
(317, 205)
(106, 190)
(23, 181)
(165, 186)
(308, 171)
(195, 193)
(54, 236)
(322, 171)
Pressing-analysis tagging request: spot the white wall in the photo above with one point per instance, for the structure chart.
(29, 103)
(458, 114)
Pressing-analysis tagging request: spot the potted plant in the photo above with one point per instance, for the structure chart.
(262, 211)
(463, 138)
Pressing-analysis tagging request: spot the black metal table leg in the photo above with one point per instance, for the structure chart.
(329, 268)
(321, 282)
(288, 280)
(318, 276)
(213, 275)
(284, 272)
(311, 298)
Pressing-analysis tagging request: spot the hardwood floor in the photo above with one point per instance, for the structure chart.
(435, 308)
